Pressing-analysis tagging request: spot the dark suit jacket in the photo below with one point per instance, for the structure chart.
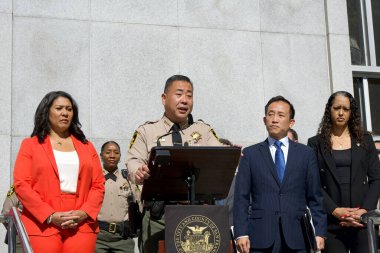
(365, 178)
(272, 200)
(37, 185)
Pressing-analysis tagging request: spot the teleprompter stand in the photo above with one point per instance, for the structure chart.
(190, 173)
(371, 218)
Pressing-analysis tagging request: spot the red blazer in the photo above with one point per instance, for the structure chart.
(37, 185)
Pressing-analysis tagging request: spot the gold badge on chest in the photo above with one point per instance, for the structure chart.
(195, 137)
(125, 186)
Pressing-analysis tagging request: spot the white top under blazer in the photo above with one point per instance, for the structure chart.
(68, 167)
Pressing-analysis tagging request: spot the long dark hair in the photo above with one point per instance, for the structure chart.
(41, 117)
(354, 126)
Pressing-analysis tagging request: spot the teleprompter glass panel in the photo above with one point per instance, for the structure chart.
(356, 32)
(359, 97)
(374, 101)
(376, 30)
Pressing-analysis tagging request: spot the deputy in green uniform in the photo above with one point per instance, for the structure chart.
(12, 201)
(176, 127)
(115, 235)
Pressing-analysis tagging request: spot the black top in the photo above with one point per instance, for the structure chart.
(365, 174)
(342, 160)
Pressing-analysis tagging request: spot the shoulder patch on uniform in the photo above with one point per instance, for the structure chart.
(199, 121)
(213, 132)
(11, 191)
(133, 138)
(150, 122)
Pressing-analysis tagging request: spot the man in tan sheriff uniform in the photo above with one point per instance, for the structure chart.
(177, 100)
(12, 201)
(115, 234)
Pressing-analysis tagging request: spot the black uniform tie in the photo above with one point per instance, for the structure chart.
(176, 135)
(110, 175)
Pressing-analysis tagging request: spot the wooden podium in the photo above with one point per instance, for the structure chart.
(190, 173)
(195, 175)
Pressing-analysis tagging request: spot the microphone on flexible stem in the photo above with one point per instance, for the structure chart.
(162, 157)
(124, 173)
(175, 130)
(159, 138)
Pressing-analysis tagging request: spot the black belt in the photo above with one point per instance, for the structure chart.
(113, 227)
(157, 208)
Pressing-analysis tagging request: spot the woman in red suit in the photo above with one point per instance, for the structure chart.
(59, 180)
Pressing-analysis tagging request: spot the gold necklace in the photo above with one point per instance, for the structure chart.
(60, 141)
(340, 144)
(340, 141)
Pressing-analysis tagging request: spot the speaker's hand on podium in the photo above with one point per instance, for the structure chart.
(141, 174)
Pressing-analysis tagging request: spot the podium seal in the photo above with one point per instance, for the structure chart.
(197, 234)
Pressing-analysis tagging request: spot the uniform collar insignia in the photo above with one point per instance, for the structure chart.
(167, 123)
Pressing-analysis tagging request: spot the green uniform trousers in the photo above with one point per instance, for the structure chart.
(152, 231)
(107, 242)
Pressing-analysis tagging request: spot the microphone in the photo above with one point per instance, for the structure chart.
(124, 173)
(130, 198)
(176, 129)
(159, 138)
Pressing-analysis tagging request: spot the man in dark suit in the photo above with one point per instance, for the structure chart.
(282, 178)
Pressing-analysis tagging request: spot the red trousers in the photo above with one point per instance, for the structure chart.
(67, 240)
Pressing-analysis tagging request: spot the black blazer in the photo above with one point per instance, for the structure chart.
(365, 175)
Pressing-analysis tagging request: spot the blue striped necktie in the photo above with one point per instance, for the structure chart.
(279, 160)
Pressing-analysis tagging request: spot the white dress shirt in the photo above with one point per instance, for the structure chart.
(284, 147)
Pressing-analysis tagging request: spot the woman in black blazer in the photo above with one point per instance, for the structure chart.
(350, 173)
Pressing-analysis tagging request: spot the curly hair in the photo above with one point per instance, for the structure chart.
(41, 117)
(354, 126)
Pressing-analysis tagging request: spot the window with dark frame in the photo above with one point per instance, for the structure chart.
(363, 18)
